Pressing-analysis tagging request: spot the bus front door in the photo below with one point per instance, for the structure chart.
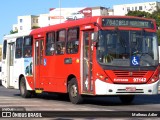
(39, 49)
(87, 62)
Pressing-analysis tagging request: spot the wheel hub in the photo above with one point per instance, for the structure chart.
(74, 91)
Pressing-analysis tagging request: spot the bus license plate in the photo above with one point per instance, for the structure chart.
(130, 89)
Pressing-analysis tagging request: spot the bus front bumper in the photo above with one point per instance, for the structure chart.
(104, 88)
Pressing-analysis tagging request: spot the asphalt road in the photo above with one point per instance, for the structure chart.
(45, 102)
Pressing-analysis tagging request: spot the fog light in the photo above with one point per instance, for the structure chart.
(110, 90)
(150, 91)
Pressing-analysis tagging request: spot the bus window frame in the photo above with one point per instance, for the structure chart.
(60, 44)
(4, 49)
(27, 49)
(19, 49)
(74, 48)
(51, 44)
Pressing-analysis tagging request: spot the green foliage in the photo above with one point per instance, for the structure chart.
(155, 15)
(35, 27)
(158, 34)
(139, 14)
(13, 32)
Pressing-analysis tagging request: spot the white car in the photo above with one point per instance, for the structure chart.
(75, 16)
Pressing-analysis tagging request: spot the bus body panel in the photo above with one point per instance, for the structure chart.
(7, 65)
(12, 68)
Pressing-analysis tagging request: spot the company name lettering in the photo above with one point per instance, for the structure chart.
(121, 80)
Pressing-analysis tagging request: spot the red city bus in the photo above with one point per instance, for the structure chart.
(101, 55)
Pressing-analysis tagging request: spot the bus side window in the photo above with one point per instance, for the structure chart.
(27, 47)
(4, 49)
(73, 40)
(19, 43)
(60, 42)
(50, 43)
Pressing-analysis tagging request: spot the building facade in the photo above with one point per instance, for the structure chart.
(125, 8)
(43, 20)
(26, 23)
(56, 16)
(60, 15)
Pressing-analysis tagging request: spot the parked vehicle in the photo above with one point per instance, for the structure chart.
(75, 16)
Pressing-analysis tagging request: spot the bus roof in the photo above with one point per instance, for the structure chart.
(87, 20)
(19, 34)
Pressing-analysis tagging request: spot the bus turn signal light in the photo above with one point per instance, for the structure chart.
(102, 77)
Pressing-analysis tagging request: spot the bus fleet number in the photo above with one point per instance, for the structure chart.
(139, 79)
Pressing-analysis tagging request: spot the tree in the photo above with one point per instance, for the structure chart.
(13, 32)
(155, 15)
(35, 27)
(158, 35)
(139, 14)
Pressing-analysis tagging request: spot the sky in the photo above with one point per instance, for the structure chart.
(11, 9)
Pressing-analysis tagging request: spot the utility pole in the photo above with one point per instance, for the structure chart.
(60, 11)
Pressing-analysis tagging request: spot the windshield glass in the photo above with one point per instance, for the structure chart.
(127, 48)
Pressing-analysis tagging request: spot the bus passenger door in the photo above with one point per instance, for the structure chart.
(87, 62)
(39, 49)
(11, 64)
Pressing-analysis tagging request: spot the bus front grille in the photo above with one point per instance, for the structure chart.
(129, 73)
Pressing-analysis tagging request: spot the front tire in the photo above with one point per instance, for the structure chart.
(127, 99)
(74, 95)
(23, 90)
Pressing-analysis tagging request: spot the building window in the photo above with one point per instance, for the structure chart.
(15, 28)
(140, 7)
(128, 9)
(36, 20)
(73, 41)
(21, 27)
(135, 8)
(33, 20)
(60, 42)
(50, 43)
(21, 20)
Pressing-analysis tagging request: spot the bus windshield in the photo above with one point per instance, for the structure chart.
(127, 48)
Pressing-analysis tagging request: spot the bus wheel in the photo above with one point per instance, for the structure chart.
(74, 95)
(23, 90)
(126, 99)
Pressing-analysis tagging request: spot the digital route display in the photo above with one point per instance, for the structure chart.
(127, 22)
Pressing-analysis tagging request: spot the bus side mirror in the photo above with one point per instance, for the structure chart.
(95, 37)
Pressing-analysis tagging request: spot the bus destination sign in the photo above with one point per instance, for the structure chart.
(127, 22)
